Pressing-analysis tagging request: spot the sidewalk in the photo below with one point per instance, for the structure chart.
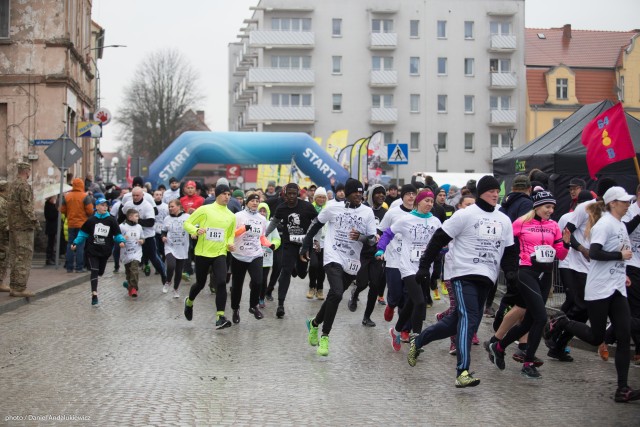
(44, 280)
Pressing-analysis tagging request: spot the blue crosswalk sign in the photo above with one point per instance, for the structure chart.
(398, 154)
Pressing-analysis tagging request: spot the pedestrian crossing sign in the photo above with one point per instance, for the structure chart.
(397, 154)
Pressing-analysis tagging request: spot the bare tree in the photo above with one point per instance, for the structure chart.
(163, 89)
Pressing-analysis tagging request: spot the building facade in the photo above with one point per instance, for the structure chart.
(47, 83)
(567, 69)
(445, 77)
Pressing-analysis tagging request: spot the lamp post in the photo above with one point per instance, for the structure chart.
(437, 148)
(512, 134)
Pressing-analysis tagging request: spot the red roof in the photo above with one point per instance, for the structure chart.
(585, 48)
(591, 86)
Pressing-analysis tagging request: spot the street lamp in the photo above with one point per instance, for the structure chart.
(437, 148)
(512, 135)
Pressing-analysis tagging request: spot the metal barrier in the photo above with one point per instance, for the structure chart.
(556, 296)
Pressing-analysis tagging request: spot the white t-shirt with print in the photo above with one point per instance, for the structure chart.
(580, 219)
(634, 237)
(415, 233)
(605, 277)
(248, 245)
(479, 239)
(132, 250)
(145, 211)
(562, 223)
(340, 220)
(177, 242)
(393, 251)
(163, 212)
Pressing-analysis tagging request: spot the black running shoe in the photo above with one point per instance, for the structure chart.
(496, 356)
(561, 355)
(368, 322)
(280, 312)
(626, 394)
(530, 371)
(353, 302)
(236, 316)
(188, 311)
(222, 323)
(519, 356)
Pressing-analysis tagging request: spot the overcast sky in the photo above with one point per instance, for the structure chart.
(202, 29)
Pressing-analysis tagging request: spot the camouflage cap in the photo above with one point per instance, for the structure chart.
(24, 165)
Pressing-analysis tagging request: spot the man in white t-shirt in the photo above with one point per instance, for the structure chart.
(481, 242)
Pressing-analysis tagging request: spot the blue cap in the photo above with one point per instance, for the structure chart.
(100, 201)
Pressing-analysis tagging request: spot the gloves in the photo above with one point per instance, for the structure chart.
(379, 253)
(247, 227)
(272, 247)
(422, 275)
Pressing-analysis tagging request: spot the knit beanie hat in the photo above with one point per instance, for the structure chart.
(222, 181)
(378, 189)
(487, 183)
(222, 189)
(584, 195)
(352, 186)
(340, 187)
(320, 191)
(237, 193)
(252, 196)
(407, 188)
(542, 198)
(137, 182)
(423, 195)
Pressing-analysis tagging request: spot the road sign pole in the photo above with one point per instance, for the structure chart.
(59, 225)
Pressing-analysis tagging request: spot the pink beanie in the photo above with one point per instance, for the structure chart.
(423, 195)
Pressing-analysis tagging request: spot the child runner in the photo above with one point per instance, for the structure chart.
(131, 256)
(267, 260)
(176, 245)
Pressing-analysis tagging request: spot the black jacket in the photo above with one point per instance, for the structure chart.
(516, 204)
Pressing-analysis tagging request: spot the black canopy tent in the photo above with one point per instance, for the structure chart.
(561, 155)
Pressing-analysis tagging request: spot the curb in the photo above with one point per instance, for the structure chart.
(19, 302)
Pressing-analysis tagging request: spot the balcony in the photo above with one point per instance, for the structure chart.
(383, 78)
(281, 77)
(383, 41)
(504, 80)
(280, 115)
(497, 152)
(502, 43)
(501, 118)
(384, 116)
(282, 39)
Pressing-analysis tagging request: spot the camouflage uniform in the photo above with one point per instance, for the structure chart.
(4, 234)
(22, 223)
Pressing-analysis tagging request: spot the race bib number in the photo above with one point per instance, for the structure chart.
(353, 266)
(101, 230)
(214, 234)
(490, 230)
(134, 235)
(296, 238)
(267, 258)
(545, 253)
(416, 252)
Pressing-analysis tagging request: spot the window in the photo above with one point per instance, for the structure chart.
(414, 65)
(495, 140)
(414, 104)
(336, 102)
(388, 137)
(291, 62)
(469, 104)
(4, 19)
(621, 89)
(414, 28)
(442, 66)
(379, 63)
(414, 141)
(382, 25)
(562, 88)
(442, 29)
(442, 103)
(442, 140)
(500, 65)
(290, 100)
(291, 24)
(500, 139)
(500, 102)
(336, 27)
(468, 30)
(500, 28)
(469, 66)
(468, 142)
(382, 101)
(336, 65)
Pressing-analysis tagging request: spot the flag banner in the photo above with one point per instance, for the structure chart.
(363, 175)
(376, 154)
(607, 139)
(336, 142)
(354, 160)
(344, 157)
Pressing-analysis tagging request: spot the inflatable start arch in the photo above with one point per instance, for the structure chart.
(192, 148)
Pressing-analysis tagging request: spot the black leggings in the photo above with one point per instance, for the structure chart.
(174, 265)
(316, 269)
(97, 266)
(339, 281)
(219, 265)
(415, 306)
(238, 272)
(566, 276)
(275, 269)
(534, 288)
(371, 274)
(616, 308)
(290, 261)
(265, 281)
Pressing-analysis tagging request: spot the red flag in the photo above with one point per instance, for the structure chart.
(607, 139)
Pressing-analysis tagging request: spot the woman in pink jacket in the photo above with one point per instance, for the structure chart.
(541, 242)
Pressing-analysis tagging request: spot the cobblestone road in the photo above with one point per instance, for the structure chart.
(141, 363)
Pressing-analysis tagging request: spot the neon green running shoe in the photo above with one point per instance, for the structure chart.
(412, 358)
(323, 348)
(466, 380)
(313, 332)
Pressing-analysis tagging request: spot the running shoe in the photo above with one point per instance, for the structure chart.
(519, 356)
(176, 294)
(165, 288)
(475, 340)
(388, 313)
(368, 322)
(466, 380)
(452, 349)
(186, 277)
(412, 357)
(313, 332)
(439, 317)
(134, 293)
(489, 312)
(323, 346)
(353, 301)
(94, 299)
(222, 323)
(404, 336)
(147, 270)
(188, 311)
(603, 351)
(280, 312)
(443, 288)
(320, 294)
(560, 355)
(311, 293)
(395, 340)
(554, 324)
(269, 296)
(496, 356)
(381, 301)
(626, 394)
(436, 294)
(531, 372)
(256, 312)
(261, 303)
(236, 316)
(116, 270)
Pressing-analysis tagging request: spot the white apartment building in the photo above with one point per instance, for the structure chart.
(446, 77)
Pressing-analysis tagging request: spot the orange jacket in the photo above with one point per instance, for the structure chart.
(76, 204)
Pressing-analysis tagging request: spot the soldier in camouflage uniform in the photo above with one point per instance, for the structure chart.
(22, 223)
(4, 236)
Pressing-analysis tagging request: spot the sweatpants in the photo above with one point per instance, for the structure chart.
(150, 252)
(395, 289)
(316, 269)
(339, 281)
(238, 272)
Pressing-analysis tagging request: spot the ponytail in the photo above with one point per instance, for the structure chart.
(595, 211)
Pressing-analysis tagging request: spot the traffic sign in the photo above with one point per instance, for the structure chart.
(91, 129)
(42, 141)
(63, 152)
(398, 154)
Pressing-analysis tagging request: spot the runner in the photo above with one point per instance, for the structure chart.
(131, 256)
(268, 260)
(176, 245)
(316, 268)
